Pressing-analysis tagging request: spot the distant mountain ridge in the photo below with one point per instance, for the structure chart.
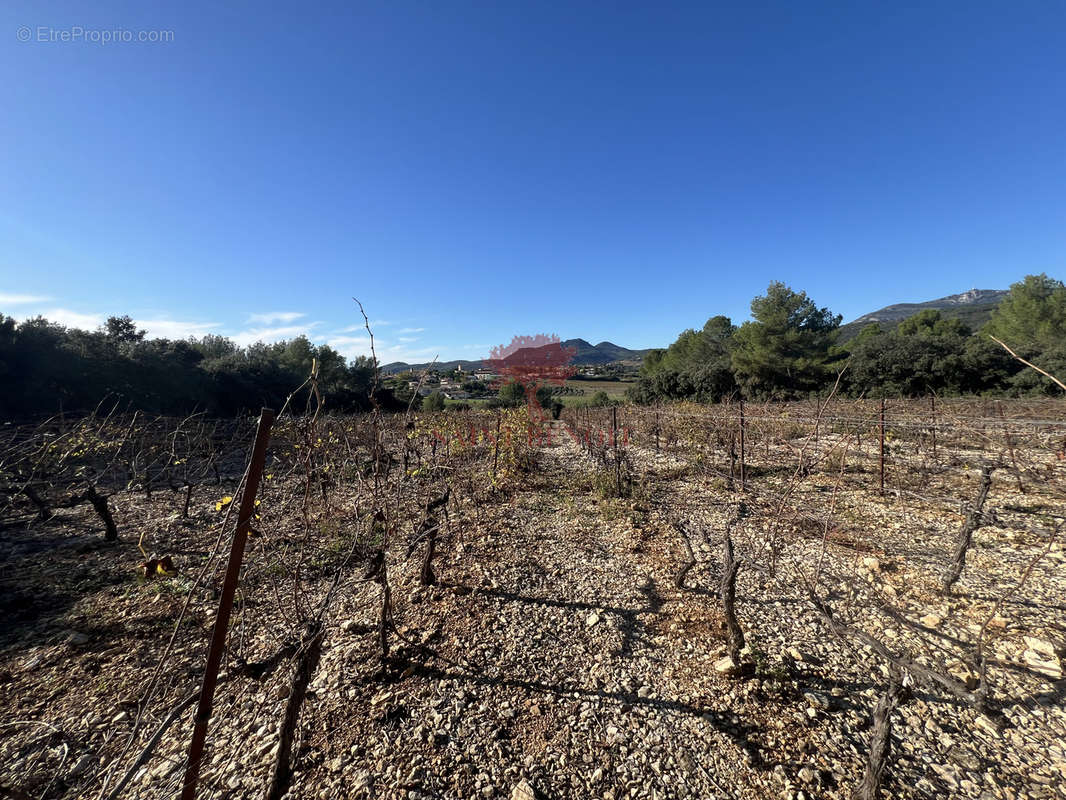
(974, 307)
(585, 354)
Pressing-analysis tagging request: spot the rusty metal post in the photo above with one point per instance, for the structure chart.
(882, 445)
(743, 469)
(225, 605)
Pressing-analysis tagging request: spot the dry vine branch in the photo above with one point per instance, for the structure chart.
(679, 581)
(728, 589)
(972, 523)
(146, 751)
(924, 675)
(428, 530)
(1045, 373)
(153, 681)
(281, 774)
(881, 739)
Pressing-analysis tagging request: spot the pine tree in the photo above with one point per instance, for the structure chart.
(786, 350)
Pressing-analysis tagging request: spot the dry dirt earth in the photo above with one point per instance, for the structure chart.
(557, 658)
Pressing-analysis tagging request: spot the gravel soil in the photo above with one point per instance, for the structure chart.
(556, 656)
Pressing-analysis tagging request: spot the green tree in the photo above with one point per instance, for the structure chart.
(45, 367)
(922, 355)
(433, 402)
(926, 353)
(653, 361)
(1032, 317)
(544, 396)
(599, 399)
(787, 349)
(696, 366)
(8, 355)
(512, 393)
(214, 346)
(296, 355)
(123, 329)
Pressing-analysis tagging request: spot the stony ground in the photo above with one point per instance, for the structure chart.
(557, 658)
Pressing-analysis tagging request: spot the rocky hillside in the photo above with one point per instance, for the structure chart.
(973, 307)
(585, 353)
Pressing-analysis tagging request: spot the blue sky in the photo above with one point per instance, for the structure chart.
(472, 171)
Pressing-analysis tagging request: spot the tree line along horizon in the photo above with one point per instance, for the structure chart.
(789, 349)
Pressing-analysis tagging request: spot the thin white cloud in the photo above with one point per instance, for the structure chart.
(401, 353)
(410, 330)
(74, 319)
(158, 328)
(374, 323)
(270, 317)
(349, 341)
(175, 329)
(21, 299)
(268, 335)
(410, 356)
(387, 350)
(350, 346)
